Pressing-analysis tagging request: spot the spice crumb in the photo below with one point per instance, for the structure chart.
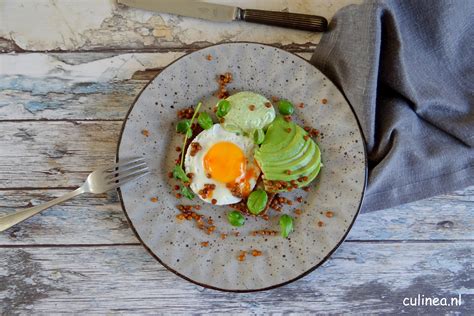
(195, 147)
(154, 199)
(223, 81)
(301, 105)
(268, 104)
(320, 224)
(256, 253)
(209, 57)
(329, 214)
(241, 256)
(178, 195)
(324, 101)
(146, 133)
(252, 107)
(264, 232)
(205, 244)
(223, 236)
(298, 211)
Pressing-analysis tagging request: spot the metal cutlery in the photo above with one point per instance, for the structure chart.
(99, 181)
(226, 13)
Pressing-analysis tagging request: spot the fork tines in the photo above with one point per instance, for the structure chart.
(126, 170)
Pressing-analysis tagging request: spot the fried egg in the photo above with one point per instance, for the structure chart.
(222, 166)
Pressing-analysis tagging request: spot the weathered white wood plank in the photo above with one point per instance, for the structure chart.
(76, 86)
(54, 154)
(79, 101)
(99, 25)
(100, 220)
(360, 277)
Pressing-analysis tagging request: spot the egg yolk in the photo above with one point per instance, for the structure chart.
(225, 162)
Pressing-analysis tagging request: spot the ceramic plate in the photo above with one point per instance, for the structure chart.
(339, 187)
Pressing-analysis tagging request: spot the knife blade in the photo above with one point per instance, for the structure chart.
(226, 13)
(195, 9)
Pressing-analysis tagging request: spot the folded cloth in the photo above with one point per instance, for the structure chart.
(407, 69)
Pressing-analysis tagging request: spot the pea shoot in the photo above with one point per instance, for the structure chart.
(223, 107)
(285, 107)
(187, 192)
(286, 225)
(257, 201)
(179, 174)
(184, 127)
(236, 219)
(205, 120)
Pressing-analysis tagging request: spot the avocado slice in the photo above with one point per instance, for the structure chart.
(277, 137)
(292, 149)
(301, 157)
(310, 176)
(296, 171)
(286, 150)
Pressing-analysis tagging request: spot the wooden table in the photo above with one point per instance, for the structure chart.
(69, 72)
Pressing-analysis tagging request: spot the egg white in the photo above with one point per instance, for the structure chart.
(195, 164)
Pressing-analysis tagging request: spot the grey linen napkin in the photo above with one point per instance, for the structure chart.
(407, 68)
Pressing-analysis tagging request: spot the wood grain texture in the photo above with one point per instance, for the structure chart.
(89, 220)
(60, 115)
(76, 86)
(359, 277)
(54, 154)
(97, 25)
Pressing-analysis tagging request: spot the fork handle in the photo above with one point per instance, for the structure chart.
(307, 22)
(19, 216)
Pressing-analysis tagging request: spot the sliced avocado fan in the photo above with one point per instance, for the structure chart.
(287, 155)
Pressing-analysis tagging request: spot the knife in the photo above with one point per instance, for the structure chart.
(225, 13)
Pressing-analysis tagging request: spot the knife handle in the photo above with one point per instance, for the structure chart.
(299, 21)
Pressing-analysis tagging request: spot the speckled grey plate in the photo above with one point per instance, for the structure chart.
(339, 187)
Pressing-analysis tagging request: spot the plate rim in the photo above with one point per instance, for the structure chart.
(307, 272)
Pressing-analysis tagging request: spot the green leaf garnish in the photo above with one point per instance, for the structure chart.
(179, 174)
(223, 107)
(257, 201)
(205, 120)
(286, 225)
(186, 192)
(285, 107)
(183, 127)
(235, 218)
(189, 133)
